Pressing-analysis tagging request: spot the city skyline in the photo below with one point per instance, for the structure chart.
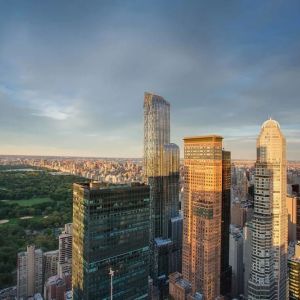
(79, 71)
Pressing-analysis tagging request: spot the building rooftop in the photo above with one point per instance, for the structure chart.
(270, 123)
(148, 96)
(203, 138)
(184, 283)
(53, 252)
(178, 218)
(69, 295)
(64, 234)
(97, 185)
(171, 146)
(162, 242)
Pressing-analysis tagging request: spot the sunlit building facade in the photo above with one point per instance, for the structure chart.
(161, 171)
(269, 277)
(202, 233)
(110, 231)
(29, 272)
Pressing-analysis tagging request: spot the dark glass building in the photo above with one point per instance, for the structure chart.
(110, 231)
(225, 282)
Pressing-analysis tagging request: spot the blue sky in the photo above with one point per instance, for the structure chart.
(73, 73)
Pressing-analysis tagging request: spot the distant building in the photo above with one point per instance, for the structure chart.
(225, 279)
(179, 288)
(247, 251)
(110, 236)
(296, 194)
(236, 261)
(238, 214)
(298, 219)
(69, 295)
(176, 226)
(291, 204)
(294, 274)
(55, 288)
(29, 272)
(9, 293)
(65, 251)
(50, 260)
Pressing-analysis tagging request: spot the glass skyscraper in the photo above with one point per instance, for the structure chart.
(161, 170)
(268, 277)
(110, 231)
(226, 272)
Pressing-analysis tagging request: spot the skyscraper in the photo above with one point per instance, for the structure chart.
(201, 260)
(65, 251)
(268, 277)
(236, 261)
(161, 168)
(110, 241)
(247, 251)
(226, 270)
(29, 272)
(50, 262)
(291, 204)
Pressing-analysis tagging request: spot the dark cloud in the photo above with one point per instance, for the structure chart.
(73, 74)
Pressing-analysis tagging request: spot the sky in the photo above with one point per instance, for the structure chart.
(73, 73)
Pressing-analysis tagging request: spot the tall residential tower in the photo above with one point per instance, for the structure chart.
(268, 277)
(161, 167)
(29, 272)
(65, 251)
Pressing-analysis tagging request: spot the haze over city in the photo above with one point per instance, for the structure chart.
(73, 74)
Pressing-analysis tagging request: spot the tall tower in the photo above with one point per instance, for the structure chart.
(268, 277)
(201, 264)
(29, 272)
(226, 271)
(161, 170)
(65, 251)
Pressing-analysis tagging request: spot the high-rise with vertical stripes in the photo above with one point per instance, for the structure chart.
(110, 231)
(206, 171)
(161, 170)
(269, 276)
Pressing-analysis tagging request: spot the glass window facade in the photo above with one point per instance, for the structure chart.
(268, 277)
(161, 170)
(202, 229)
(110, 230)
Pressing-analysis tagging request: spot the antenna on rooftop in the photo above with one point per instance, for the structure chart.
(111, 273)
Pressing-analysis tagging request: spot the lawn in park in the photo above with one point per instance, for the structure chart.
(29, 202)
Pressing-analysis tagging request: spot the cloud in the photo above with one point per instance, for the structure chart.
(78, 72)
